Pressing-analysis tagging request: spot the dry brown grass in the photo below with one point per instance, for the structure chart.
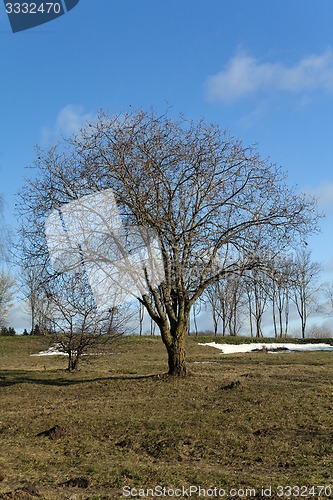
(243, 420)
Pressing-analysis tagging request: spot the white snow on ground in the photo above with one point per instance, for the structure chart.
(228, 348)
(56, 351)
(232, 348)
(52, 351)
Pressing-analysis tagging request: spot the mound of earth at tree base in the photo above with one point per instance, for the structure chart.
(26, 492)
(77, 482)
(56, 432)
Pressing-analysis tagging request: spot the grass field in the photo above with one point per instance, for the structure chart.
(238, 421)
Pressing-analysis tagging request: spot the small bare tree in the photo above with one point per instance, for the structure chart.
(6, 296)
(279, 290)
(196, 310)
(37, 303)
(74, 320)
(305, 274)
(226, 301)
(211, 298)
(256, 290)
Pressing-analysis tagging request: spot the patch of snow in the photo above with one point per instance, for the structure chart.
(56, 351)
(51, 351)
(233, 348)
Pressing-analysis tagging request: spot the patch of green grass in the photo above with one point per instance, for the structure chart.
(241, 420)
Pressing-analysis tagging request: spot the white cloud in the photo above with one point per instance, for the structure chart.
(323, 193)
(244, 75)
(19, 316)
(70, 119)
(68, 122)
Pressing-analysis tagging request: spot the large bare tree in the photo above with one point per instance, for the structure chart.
(201, 190)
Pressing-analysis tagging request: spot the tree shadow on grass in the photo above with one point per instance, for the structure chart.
(14, 377)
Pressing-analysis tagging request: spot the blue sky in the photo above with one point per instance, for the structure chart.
(263, 70)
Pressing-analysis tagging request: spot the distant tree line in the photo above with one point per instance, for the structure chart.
(7, 331)
(240, 301)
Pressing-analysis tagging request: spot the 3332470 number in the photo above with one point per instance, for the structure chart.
(33, 8)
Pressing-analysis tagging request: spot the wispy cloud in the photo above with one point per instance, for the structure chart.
(68, 122)
(324, 194)
(19, 316)
(244, 75)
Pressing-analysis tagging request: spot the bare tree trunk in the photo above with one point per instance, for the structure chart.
(141, 313)
(215, 315)
(286, 317)
(250, 313)
(73, 365)
(195, 320)
(303, 327)
(274, 318)
(280, 319)
(258, 327)
(176, 358)
(235, 324)
(32, 319)
(73, 361)
(258, 317)
(152, 327)
(215, 321)
(174, 341)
